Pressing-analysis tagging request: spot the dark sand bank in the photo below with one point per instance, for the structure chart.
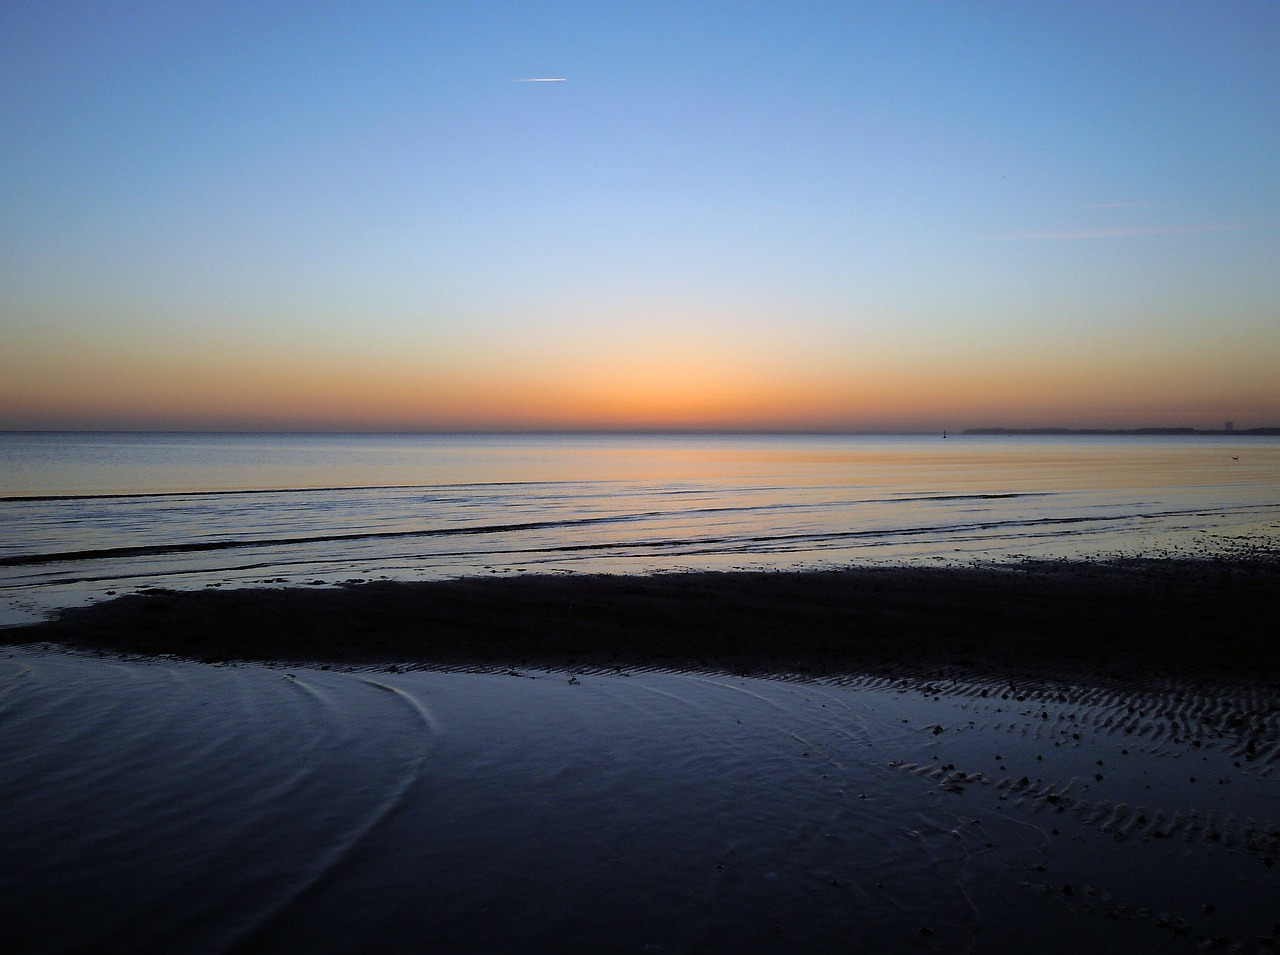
(1102, 620)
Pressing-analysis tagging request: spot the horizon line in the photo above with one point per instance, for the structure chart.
(972, 431)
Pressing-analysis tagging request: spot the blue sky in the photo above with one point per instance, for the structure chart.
(728, 214)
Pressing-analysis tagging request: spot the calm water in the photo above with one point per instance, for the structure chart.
(82, 515)
(163, 806)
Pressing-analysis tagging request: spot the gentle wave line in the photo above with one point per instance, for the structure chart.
(155, 550)
(343, 489)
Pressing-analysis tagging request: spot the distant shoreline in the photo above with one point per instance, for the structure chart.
(1135, 432)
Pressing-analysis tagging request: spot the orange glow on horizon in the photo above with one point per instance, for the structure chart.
(620, 383)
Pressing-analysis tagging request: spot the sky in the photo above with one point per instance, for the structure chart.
(829, 216)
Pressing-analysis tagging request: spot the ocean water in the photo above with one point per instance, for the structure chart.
(83, 515)
(170, 806)
(165, 805)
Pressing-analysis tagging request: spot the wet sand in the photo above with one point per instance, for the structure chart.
(1046, 756)
(162, 805)
(1096, 621)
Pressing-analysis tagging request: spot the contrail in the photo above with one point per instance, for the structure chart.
(542, 79)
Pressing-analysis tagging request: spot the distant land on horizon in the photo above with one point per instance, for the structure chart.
(1124, 431)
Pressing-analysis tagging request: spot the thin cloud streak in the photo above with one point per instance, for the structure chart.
(542, 79)
(1125, 232)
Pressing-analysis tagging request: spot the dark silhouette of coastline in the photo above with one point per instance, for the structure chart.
(1234, 432)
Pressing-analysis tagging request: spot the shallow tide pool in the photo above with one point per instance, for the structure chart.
(159, 805)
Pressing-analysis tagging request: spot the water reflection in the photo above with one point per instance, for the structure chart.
(215, 509)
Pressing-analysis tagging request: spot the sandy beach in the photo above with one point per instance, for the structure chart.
(1047, 756)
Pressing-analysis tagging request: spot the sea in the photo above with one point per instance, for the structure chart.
(158, 804)
(85, 516)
